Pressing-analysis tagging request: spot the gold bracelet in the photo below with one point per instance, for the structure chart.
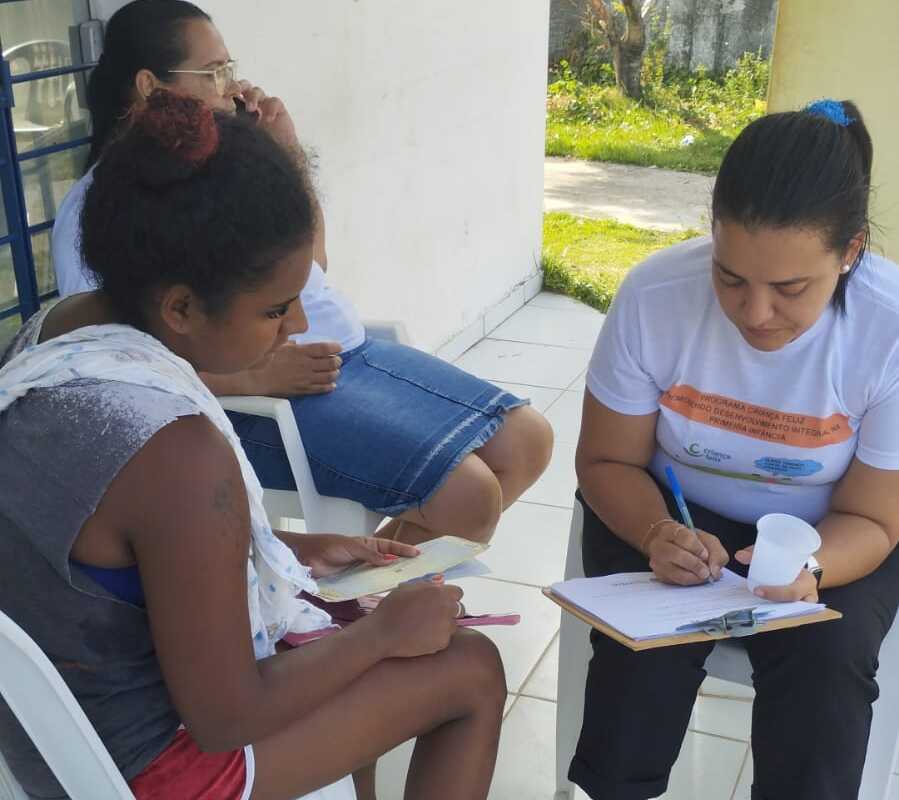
(651, 529)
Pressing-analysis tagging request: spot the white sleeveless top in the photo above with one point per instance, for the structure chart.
(331, 316)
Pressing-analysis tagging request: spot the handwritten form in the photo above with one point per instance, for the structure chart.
(436, 555)
(642, 607)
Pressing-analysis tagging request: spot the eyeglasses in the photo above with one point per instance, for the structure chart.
(223, 76)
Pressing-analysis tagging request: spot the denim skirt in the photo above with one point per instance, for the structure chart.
(388, 436)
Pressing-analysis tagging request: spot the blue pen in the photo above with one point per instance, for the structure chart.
(678, 493)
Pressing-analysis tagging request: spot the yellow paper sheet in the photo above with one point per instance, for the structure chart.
(436, 555)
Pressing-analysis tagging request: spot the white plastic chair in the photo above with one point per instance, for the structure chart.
(321, 514)
(54, 721)
(729, 662)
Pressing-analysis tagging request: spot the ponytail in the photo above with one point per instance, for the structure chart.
(144, 34)
(802, 169)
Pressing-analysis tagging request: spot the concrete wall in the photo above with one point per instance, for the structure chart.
(711, 33)
(565, 23)
(823, 50)
(715, 33)
(428, 123)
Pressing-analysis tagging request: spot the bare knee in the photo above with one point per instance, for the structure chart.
(470, 502)
(480, 669)
(523, 447)
(485, 496)
(537, 438)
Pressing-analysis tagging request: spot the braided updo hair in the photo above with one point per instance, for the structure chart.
(144, 34)
(186, 196)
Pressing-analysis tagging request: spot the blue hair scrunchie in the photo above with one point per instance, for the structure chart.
(830, 109)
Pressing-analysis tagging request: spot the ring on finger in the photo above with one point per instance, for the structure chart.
(460, 610)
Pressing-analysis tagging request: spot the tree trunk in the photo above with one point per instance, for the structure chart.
(627, 45)
(628, 62)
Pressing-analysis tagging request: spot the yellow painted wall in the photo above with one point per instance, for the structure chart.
(847, 50)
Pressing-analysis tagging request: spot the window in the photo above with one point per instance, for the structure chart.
(44, 137)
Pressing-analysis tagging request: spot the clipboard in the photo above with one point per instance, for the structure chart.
(728, 627)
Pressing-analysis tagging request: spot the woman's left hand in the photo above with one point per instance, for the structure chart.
(805, 587)
(271, 114)
(330, 553)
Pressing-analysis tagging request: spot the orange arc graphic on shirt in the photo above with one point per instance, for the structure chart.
(758, 422)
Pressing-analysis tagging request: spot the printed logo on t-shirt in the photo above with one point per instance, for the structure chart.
(698, 451)
(757, 422)
(789, 467)
(769, 469)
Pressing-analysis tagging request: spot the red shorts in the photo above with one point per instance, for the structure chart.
(185, 772)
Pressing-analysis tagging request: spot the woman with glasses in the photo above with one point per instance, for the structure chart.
(451, 451)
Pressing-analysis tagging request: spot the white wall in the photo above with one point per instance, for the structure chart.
(428, 121)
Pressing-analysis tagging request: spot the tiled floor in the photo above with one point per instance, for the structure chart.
(542, 352)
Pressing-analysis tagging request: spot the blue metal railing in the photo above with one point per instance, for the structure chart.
(19, 232)
(14, 201)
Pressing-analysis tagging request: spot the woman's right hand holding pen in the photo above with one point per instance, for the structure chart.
(418, 618)
(684, 557)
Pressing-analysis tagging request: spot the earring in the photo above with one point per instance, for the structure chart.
(845, 269)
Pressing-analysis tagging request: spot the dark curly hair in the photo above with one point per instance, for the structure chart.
(799, 169)
(185, 196)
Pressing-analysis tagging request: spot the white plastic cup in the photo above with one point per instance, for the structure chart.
(782, 547)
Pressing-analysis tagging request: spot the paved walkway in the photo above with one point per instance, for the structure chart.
(647, 197)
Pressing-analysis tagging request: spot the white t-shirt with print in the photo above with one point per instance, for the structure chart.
(751, 432)
(331, 316)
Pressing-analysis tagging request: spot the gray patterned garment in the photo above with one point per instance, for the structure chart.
(59, 451)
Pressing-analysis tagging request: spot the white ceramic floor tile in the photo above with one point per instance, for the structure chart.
(498, 314)
(525, 766)
(894, 790)
(543, 682)
(556, 486)
(462, 341)
(541, 398)
(716, 686)
(560, 301)
(579, 383)
(560, 327)
(690, 778)
(519, 362)
(394, 766)
(565, 417)
(510, 701)
(529, 545)
(392, 770)
(744, 784)
(522, 645)
(730, 718)
(708, 768)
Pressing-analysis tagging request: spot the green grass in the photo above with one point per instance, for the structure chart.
(588, 258)
(645, 141)
(595, 121)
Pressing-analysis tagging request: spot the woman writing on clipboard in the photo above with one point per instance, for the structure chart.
(764, 362)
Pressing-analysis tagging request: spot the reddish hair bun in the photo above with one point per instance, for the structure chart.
(181, 130)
